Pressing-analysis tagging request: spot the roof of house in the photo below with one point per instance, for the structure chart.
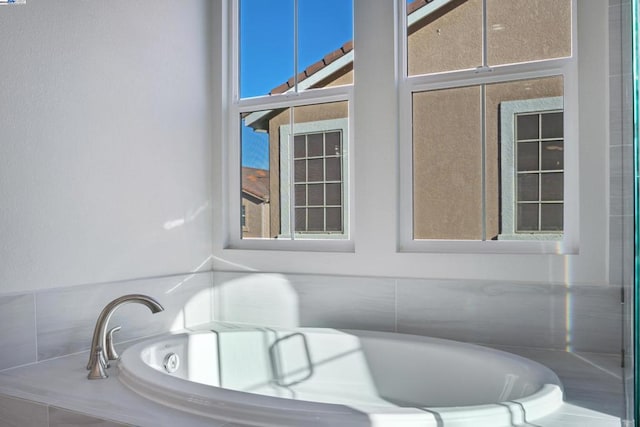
(338, 53)
(255, 182)
(340, 60)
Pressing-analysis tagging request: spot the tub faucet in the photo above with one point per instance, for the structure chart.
(98, 360)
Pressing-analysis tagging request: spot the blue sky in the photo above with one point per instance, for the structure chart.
(267, 50)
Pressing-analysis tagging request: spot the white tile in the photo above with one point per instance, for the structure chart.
(17, 330)
(62, 418)
(305, 300)
(483, 312)
(66, 317)
(22, 413)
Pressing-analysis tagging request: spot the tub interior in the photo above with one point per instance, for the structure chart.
(349, 367)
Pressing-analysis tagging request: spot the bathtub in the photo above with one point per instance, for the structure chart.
(258, 376)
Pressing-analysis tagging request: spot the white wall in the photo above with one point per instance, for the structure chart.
(105, 157)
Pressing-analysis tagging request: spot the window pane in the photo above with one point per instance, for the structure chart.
(334, 219)
(324, 127)
(315, 145)
(333, 165)
(301, 219)
(316, 170)
(528, 126)
(315, 219)
(266, 50)
(551, 219)
(527, 30)
(528, 156)
(316, 194)
(256, 176)
(300, 174)
(447, 150)
(300, 146)
(552, 186)
(325, 34)
(552, 125)
(334, 196)
(505, 104)
(528, 187)
(284, 168)
(528, 217)
(267, 39)
(552, 155)
(301, 195)
(445, 39)
(332, 144)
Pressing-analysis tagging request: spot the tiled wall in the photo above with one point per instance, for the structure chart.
(52, 323)
(579, 318)
(23, 413)
(41, 325)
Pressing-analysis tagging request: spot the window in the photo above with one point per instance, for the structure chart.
(466, 63)
(533, 168)
(382, 159)
(319, 177)
(291, 108)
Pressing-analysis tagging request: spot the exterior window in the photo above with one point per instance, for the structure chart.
(533, 167)
(318, 182)
(478, 175)
(292, 129)
(319, 176)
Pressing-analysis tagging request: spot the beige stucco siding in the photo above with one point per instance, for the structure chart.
(447, 124)
(447, 173)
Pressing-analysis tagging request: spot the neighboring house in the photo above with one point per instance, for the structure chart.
(255, 202)
(514, 192)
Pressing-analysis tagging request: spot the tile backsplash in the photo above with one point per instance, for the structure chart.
(45, 324)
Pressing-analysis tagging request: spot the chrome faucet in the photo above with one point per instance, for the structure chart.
(98, 359)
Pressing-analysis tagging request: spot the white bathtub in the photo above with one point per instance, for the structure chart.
(260, 376)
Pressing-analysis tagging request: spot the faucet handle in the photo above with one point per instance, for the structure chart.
(112, 354)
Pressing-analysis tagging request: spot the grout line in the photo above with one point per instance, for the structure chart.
(395, 305)
(35, 324)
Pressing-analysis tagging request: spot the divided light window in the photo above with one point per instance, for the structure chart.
(292, 78)
(318, 182)
(539, 148)
(488, 85)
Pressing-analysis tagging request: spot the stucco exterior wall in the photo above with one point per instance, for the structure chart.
(447, 129)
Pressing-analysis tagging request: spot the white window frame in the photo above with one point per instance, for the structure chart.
(485, 75)
(297, 96)
(286, 178)
(379, 122)
(508, 112)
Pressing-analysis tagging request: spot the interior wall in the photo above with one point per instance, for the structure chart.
(104, 141)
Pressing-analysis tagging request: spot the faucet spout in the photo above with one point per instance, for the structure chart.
(97, 354)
